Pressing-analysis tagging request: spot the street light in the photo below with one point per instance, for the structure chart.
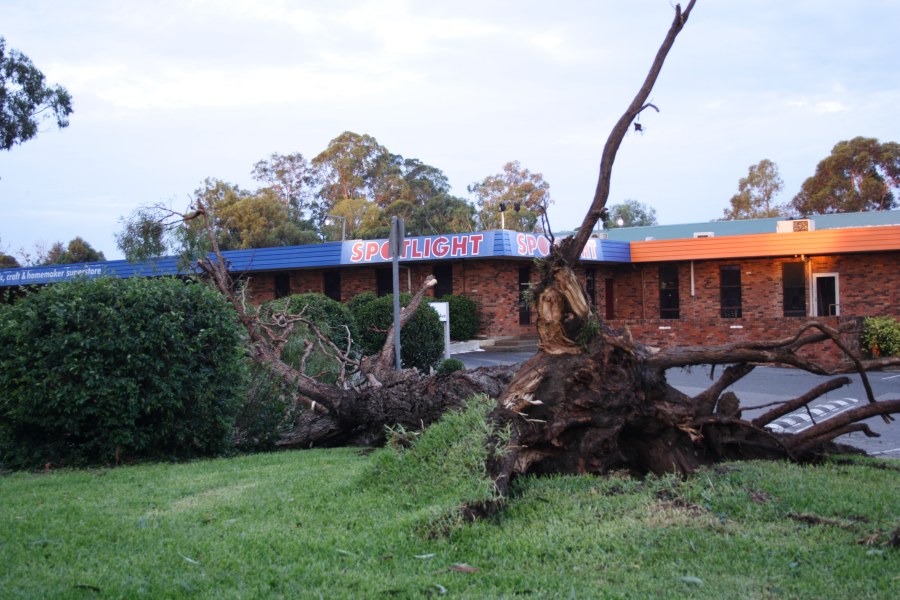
(329, 220)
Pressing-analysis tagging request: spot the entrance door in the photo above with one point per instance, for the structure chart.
(827, 297)
(524, 284)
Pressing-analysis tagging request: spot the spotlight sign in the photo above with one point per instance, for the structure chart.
(538, 246)
(485, 244)
(436, 247)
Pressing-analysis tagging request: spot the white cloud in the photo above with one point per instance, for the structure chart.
(830, 107)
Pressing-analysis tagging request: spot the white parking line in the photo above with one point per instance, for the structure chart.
(891, 377)
(885, 451)
(799, 417)
(832, 415)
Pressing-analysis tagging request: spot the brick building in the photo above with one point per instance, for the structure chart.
(708, 283)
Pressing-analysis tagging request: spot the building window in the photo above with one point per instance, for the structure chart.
(384, 282)
(444, 276)
(730, 291)
(590, 280)
(669, 306)
(793, 281)
(282, 285)
(331, 284)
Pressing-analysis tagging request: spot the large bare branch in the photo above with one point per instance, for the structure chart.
(638, 104)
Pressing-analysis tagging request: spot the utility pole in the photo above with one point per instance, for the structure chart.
(398, 232)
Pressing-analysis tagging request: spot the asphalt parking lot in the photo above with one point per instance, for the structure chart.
(766, 385)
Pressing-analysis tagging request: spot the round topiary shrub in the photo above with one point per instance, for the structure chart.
(421, 340)
(450, 365)
(464, 319)
(96, 371)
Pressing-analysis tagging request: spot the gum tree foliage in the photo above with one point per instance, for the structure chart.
(77, 251)
(26, 100)
(524, 196)
(756, 194)
(366, 184)
(7, 261)
(143, 237)
(96, 371)
(632, 213)
(859, 175)
(292, 179)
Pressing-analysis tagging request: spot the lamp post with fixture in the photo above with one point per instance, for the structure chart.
(330, 220)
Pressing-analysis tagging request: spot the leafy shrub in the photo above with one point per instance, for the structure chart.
(881, 336)
(450, 365)
(264, 412)
(464, 318)
(360, 300)
(95, 370)
(421, 339)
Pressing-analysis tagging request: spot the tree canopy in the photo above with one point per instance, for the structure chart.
(756, 193)
(292, 179)
(521, 195)
(77, 251)
(859, 175)
(631, 213)
(26, 100)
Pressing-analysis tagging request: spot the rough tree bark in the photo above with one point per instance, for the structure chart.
(592, 399)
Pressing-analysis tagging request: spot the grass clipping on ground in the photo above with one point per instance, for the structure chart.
(441, 473)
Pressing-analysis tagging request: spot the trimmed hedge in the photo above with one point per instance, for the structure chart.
(94, 371)
(421, 339)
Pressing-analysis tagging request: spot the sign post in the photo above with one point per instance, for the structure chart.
(443, 311)
(396, 243)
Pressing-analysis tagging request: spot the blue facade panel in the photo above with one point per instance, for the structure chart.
(486, 244)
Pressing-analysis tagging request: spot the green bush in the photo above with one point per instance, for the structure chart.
(464, 318)
(96, 370)
(360, 300)
(421, 340)
(881, 336)
(450, 365)
(264, 413)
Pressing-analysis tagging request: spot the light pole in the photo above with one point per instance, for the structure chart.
(329, 220)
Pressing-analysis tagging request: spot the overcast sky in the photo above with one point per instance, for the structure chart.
(167, 93)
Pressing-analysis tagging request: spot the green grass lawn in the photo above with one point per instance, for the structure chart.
(345, 524)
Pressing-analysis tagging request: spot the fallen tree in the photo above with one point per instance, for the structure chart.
(591, 400)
